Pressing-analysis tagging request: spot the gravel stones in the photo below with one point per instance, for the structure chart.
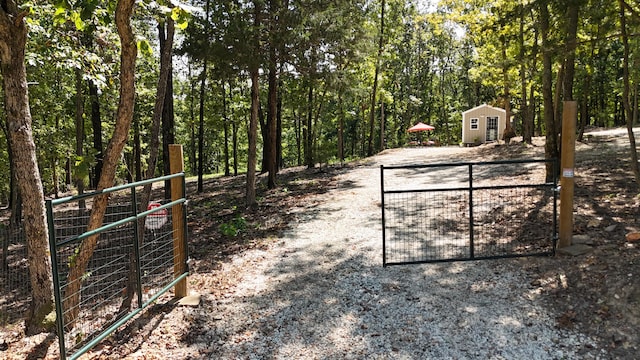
(321, 293)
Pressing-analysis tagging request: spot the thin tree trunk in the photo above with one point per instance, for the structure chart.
(527, 126)
(254, 73)
(13, 37)
(308, 143)
(79, 177)
(271, 139)
(203, 83)
(192, 125)
(551, 143)
(96, 124)
(374, 91)
(225, 118)
(124, 117)
(203, 86)
(626, 94)
(168, 130)
(137, 150)
(154, 148)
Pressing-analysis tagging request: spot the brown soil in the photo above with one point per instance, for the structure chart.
(598, 293)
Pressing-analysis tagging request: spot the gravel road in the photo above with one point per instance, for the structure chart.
(320, 292)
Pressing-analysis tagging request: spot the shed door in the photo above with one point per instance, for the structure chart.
(492, 128)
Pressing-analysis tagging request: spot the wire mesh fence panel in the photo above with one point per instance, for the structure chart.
(467, 211)
(130, 265)
(15, 288)
(513, 221)
(426, 226)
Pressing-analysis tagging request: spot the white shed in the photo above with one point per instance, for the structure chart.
(482, 124)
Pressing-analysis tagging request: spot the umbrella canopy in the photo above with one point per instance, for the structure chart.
(420, 127)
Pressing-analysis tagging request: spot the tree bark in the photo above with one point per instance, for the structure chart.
(254, 74)
(168, 130)
(203, 84)
(551, 143)
(635, 170)
(308, 137)
(225, 119)
(124, 117)
(79, 174)
(96, 124)
(13, 37)
(271, 156)
(374, 91)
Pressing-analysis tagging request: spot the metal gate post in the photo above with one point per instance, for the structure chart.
(384, 236)
(136, 245)
(56, 280)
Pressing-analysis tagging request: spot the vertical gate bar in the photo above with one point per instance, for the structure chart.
(185, 230)
(384, 234)
(471, 235)
(56, 280)
(136, 245)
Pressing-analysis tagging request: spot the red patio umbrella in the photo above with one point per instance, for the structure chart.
(420, 127)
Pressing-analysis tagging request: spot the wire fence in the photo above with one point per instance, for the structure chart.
(133, 262)
(467, 211)
(15, 288)
(126, 272)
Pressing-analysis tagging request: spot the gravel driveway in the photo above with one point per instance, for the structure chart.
(320, 292)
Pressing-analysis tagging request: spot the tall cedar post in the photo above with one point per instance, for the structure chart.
(176, 164)
(569, 116)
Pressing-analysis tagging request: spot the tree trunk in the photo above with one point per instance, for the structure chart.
(527, 126)
(168, 130)
(79, 172)
(203, 85)
(96, 124)
(154, 148)
(225, 119)
(137, 150)
(279, 161)
(570, 53)
(374, 91)
(13, 36)
(308, 138)
(551, 143)
(271, 139)
(626, 94)
(124, 117)
(254, 73)
(340, 128)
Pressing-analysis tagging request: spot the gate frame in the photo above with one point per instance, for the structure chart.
(552, 185)
(181, 269)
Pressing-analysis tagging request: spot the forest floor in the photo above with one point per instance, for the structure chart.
(596, 293)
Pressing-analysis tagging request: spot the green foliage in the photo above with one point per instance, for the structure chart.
(233, 228)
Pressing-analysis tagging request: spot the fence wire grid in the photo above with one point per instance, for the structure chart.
(104, 284)
(467, 211)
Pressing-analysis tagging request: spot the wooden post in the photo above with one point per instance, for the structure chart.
(569, 116)
(176, 165)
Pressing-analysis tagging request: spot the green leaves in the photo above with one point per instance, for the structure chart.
(144, 47)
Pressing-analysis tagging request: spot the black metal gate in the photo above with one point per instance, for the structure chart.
(467, 211)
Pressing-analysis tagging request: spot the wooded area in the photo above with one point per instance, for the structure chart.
(256, 86)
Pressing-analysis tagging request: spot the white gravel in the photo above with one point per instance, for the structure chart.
(320, 292)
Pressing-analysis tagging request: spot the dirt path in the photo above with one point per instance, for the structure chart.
(318, 290)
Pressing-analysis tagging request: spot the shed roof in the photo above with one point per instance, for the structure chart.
(485, 106)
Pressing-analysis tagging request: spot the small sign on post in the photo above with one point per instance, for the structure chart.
(157, 219)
